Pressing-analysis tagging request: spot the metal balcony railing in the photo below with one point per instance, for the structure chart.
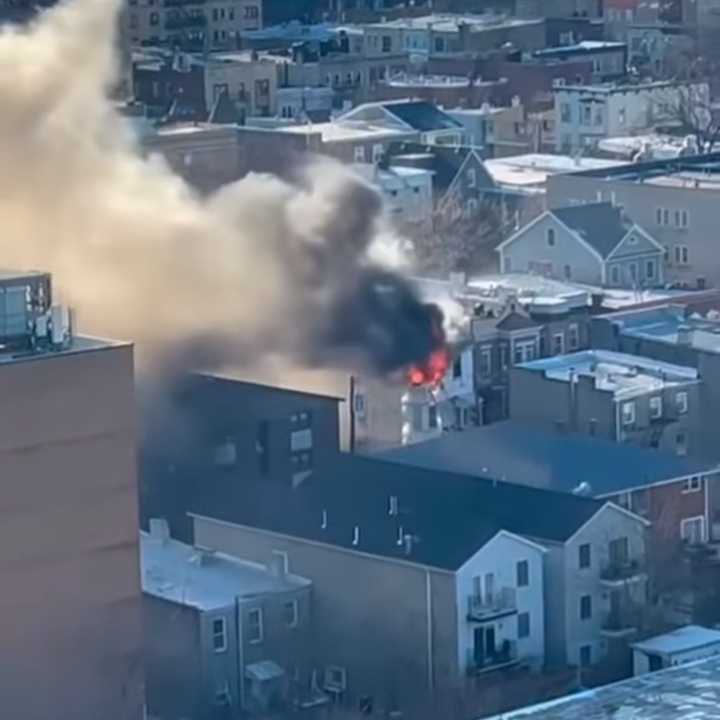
(498, 603)
(618, 571)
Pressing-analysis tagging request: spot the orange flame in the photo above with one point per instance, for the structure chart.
(432, 371)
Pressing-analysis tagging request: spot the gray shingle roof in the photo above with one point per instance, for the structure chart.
(600, 224)
(452, 515)
(523, 454)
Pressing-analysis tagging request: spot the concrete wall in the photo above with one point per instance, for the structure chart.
(70, 602)
(370, 614)
(531, 251)
(500, 557)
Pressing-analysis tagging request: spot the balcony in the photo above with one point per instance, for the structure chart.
(179, 22)
(488, 607)
(618, 573)
(505, 656)
(617, 625)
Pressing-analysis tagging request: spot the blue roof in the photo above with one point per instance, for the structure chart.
(526, 455)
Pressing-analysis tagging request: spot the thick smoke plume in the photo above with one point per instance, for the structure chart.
(262, 266)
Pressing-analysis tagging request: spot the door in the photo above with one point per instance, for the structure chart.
(484, 648)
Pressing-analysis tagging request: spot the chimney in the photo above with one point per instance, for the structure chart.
(159, 530)
(356, 536)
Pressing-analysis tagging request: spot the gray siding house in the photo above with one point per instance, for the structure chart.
(593, 243)
(221, 635)
(624, 398)
(399, 558)
(675, 200)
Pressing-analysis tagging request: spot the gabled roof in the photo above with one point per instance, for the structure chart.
(422, 115)
(600, 225)
(520, 453)
(450, 516)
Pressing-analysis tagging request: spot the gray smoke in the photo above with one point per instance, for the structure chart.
(261, 267)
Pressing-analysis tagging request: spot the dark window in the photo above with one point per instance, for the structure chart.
(523, 625)
(386, 43)
(219, 635)
(584, 555)
(457, 367)
(551, 236)
(585, 607)
(523, 573)
(585, 655)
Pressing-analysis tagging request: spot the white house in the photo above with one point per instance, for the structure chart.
(678, 647)
(595, 244)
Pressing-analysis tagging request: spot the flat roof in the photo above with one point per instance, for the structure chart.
(685, 692)
(339, 131)
(534, 168)
(78, 344)
(451, 22)
(668, 324)
(582, 48)
(690, 637)
(205, 580)
(619, 373)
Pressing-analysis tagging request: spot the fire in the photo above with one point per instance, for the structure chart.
(433, 370)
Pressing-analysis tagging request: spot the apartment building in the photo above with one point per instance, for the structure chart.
(624, 398)
(608, 59)
(673, 199)
(192, 24)
(594, 243)
(245, 431)
(683, 334)
(71, 636)
(585, 114)
(221, 635)
(466, 601)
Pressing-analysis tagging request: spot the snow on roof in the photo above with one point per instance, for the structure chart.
(345, 130)
(205, 580)
(534, 168)
(690, 637)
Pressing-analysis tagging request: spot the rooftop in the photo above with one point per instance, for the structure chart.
(608, 88)
(346, 130)
(686, 692)
(452, 22)
(533, 169)
(414, 114)
(202, 579)
(690, 637)
(447, 517)
(527, 455)
(698, 172)
(585, 47)
(625, 376)
(671, 324)
(601, 224)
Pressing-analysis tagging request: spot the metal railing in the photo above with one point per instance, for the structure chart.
(504, 600)
(617, 571)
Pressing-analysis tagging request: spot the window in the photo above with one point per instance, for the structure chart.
(255, 626)
(598, 115)
(656, 407)
(377, 153)
(681, 219)
(692, 484)
(252, 12)
(551, 237)
(650, 269)
(681, 402)
(692, 530)
(471, 178)
(632, 267)
(523, 625)
(219, 635)
(681, 254)
(290, 613)
(584, 556)
(485, 362)
(523, 573)
(432, 416)
(523, 351)
(565, 113)
(359, 153)
(615, 275)
(573, 336)
(567, 271)
(586, 115)
(585, 655)
(558, 344)
(681, 444)
(585, 607)
(457, 367)
(335, 678)
(628, 413)
(386, 43)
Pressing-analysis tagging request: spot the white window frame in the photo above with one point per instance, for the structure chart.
(295, 613)
(681, 402)
(486, 359)
(222, 634)
(377, 153)
(261, 632)
(656, 407)
(561, 345)
(692, 484)
(687, 521)
(629, 418)
(359, 153)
